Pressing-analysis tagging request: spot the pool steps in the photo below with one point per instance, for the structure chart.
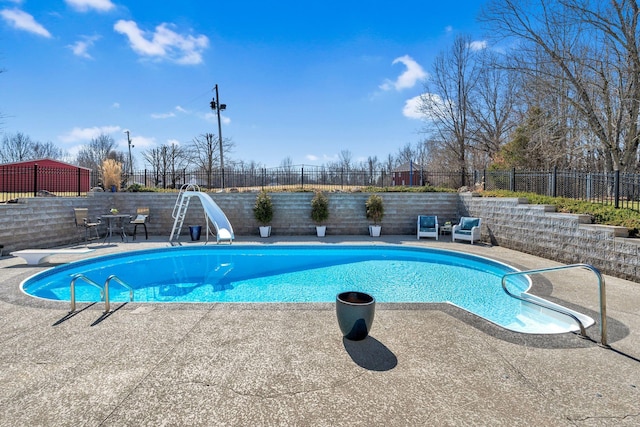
(577, 317)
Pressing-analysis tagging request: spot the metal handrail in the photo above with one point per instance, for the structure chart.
(92, 283)
(601, 288)
(106, 289)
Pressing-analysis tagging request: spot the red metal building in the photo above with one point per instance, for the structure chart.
(408, 173)
(50, 175)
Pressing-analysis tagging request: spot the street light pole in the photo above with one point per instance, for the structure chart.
(130, 159)
(215, 105)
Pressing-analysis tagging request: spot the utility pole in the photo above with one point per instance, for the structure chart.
(215, 105)
(130, 159)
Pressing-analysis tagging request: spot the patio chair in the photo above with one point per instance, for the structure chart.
(142, 216)
(468, 229)
(427, 226)
(82, 220)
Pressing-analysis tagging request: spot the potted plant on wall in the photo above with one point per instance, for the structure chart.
(375, 212)
(320, 212)
(263, 213)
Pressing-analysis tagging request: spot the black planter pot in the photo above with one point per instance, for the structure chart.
(355, 312)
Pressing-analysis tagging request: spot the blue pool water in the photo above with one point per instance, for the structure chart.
(298, 274)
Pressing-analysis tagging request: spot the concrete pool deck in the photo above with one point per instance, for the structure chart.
(287, 364)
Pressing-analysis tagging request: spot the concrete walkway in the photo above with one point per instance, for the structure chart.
(288, 365)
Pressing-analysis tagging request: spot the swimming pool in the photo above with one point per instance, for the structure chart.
(303, 274)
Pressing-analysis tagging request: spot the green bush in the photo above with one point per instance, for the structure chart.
(139, 188)
(263, 208)
(375, 208)
(319, 208)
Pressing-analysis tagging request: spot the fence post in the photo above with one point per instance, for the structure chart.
(35, 180)
(79, 182)
(554, 182)
(484, 179)
(264, 171)
(512, 180)
(616, 188)
(302, 177)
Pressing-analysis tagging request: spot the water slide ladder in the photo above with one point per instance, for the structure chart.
(601, 287)
(213, 213)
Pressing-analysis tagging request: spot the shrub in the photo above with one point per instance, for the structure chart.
(263, 208)
(375, 208)
(319, 208)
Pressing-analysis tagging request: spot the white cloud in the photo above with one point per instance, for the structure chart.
(448, 29)
(115, 105)
(23, 21)
(137, 142)
(81, 47)
(164, 43)
(163, 115)
(478, 45)
(409, 78)
(86, 134)
(170, 114)
(86, 5)
(411, 108)
(312, 157)
(213, 118)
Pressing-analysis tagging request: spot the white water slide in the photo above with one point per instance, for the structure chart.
(213, 213)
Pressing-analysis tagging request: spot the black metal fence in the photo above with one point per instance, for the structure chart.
(620, 189)
(297, 178)
(615, 188)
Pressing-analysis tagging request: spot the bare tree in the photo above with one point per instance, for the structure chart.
(153, 157)
(493, 108)
(446, 102)
(406, 154)
(47, 150)
(205, 153)
(97, 151)
(594, 49)
(16, 148)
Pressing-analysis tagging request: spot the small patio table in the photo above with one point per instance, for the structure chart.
(116, 221)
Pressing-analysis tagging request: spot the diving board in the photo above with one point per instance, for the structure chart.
(213, 213)
(37, 256)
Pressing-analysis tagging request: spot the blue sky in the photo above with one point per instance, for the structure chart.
(303, 80)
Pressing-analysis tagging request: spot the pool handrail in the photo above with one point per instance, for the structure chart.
(90, 282)
(104, 291)
(601, 288)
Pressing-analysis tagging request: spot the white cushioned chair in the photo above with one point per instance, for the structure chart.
(468, 229)
(427, 226)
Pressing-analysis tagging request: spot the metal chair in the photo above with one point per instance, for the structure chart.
(142, 216)
(82, 220)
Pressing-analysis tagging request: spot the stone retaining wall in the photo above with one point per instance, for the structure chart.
(509, 222)
(566, 238)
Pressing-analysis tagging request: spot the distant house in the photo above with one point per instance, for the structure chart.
(408, 173)
(50, 175)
